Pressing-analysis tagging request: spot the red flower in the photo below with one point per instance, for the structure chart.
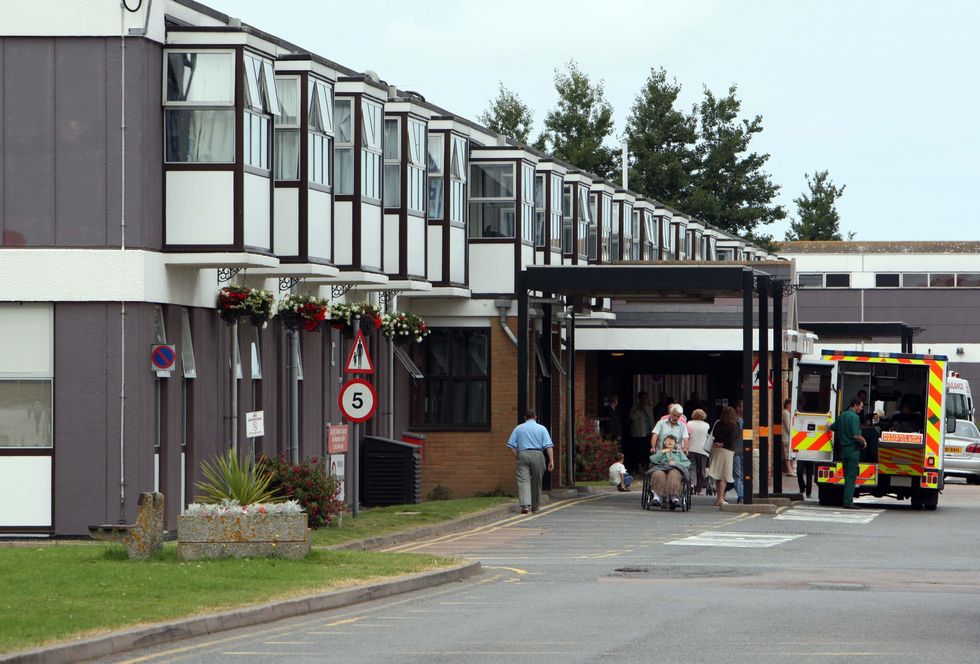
(377, 322)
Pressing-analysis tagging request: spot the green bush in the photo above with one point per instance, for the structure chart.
(496, 492)
(227, 477)
(593, 454)
(308, 483)
(440, 492)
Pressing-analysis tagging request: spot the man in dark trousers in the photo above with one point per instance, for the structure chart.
(610, 421)
(532, 447)
(850, 442)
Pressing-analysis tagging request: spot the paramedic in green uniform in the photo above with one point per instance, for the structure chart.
(850, 442)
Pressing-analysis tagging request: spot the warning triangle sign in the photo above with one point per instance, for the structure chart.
(359, 362)
(755, 375)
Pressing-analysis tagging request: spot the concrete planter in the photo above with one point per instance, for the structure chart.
(243, 536)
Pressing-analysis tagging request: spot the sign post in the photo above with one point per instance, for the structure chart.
(358, 400)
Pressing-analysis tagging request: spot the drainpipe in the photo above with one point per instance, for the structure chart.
(293, 372)
(235, 356)
(391, 306)
(122, 248)
(503, 306)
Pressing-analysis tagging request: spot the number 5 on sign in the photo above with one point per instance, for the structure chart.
(358, 400)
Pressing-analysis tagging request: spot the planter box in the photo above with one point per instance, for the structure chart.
(243, 536)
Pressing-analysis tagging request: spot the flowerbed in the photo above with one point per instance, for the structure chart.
(593, 453)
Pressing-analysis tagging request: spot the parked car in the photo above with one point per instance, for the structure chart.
(961, 456)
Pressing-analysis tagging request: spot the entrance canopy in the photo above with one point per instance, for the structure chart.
(693, 281)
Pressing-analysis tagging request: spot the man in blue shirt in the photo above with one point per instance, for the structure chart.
(530, 442)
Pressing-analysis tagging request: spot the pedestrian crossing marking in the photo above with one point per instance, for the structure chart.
(736, 540)
(826, 515)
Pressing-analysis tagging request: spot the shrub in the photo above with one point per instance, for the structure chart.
(496, 492)
(593, 453)
(308, 483)
(228, 478)
(440, 492)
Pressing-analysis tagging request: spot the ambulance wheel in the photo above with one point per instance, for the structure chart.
(830, 494)
(917, 501)
(930, 500)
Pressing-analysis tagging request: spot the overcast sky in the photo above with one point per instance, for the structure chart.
(883, 93)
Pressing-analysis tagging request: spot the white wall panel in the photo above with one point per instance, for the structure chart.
(457, 255)
(492, 268)
(434, 262)
(416, 245)
(343, 232)
(257, 200)
(27, 334)
(200, 207)
(391, 248)
(287, 222)
(320, 233)
(370, 236)
(25, 491)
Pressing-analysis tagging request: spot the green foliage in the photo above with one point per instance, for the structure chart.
(576, 129)
(593, 453)
(439, 492)
(508, 115)
(497, 491)
(817, 217)
(308, 483)
(729, 188)
(227, 477)
(661, 141)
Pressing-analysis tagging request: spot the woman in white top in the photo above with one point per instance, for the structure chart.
(697, 446)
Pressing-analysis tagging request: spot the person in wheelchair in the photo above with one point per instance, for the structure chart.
(669, 472)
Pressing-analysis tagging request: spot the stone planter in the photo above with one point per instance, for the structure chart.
(243, 536)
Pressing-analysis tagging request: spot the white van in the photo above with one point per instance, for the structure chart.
(959, 401)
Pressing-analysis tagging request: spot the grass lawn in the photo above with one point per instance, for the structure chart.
(50, 593)
(383, 520)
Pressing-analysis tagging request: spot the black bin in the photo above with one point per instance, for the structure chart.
(391, 472)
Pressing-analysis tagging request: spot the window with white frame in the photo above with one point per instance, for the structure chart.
(606, 241)
(287, 129)
(493, 194)
(616, 236)
(637, 221)
(320, 134)
(416, 167)
(555, 212)
(527, 202)
(567, 219)
(261, 104)
(199, 106)
(539, 211)
(26, 375)
(436, 170)
(594, 226)
(666, 238)
(650, 239)
(392, 165)
(343, 152)
(458, 158)
(627, 231)
(585, 218)
(807, 280)
(371, 149)
(837, 280)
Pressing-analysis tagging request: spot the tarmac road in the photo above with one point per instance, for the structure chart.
(595, 579)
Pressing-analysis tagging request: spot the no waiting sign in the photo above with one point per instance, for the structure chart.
(358, 400)
(162, 357)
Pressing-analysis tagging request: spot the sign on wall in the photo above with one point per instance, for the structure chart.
(255, 424)
(337, 438)
(337, 470)
(162, 357)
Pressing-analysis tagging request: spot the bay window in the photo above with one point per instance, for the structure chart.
(567, 220)
(199, 101)
(416, 167)
(606, 203)
(539, 211)
(343, 152)
(650, 241)
(593, 227)
(261, 103)
(392, 163)
(371, 156)
(26, 375)
(556, 212)
(435, 164)
(287, 129)
(457, 181)
(584, 221)
(666, 238)
(320, 133)
(493, 210)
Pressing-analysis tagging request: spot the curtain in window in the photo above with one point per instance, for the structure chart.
(200, 77)
(289, 100)
(344, 123)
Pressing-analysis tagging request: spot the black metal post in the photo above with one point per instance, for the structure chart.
(547, 414)
(777, 385)
(570, 392)
(763, 286)
(746, 447)
(522, 354)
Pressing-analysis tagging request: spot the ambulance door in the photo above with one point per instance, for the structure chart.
(815, 399)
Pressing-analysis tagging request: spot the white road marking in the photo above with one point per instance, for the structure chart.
(828, 515)
(736, 540)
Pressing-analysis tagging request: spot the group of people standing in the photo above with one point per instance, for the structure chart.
(693, 449)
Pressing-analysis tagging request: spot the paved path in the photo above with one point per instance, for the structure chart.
(595, 579)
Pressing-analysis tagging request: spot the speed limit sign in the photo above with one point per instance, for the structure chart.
(358, 400)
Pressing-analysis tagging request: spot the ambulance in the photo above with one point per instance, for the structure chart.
(906, 460)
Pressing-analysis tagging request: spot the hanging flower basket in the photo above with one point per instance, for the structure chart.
(306, 311)
(238, 302)
(404, 328)
(348, 318)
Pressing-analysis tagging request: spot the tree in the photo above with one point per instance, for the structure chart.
(576, 129)
(729, 187)
(508, 115)
(816, 212)
(661, 141)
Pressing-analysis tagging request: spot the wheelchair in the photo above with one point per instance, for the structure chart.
(646, 496)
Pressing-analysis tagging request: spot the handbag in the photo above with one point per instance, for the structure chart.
(709, 442)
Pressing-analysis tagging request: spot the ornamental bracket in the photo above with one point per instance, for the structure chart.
(341, 290)
(287, 283)
(227, 273)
